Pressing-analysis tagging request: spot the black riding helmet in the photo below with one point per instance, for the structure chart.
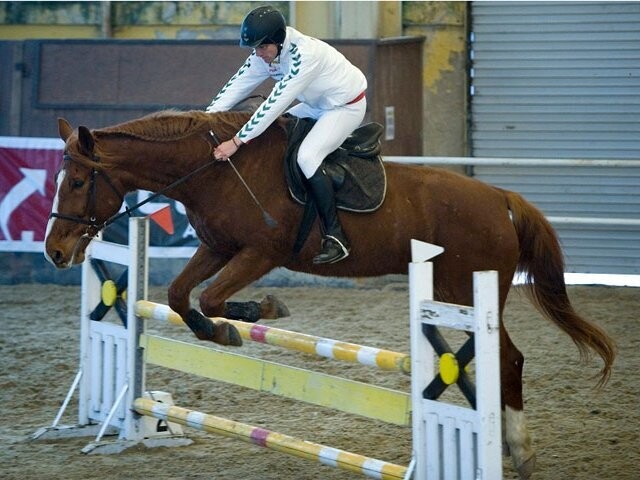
(263, 25)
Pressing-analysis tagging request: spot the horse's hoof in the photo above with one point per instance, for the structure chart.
(205, 328)
(506, 451)
(227, 334)
(525, 469)
(272, 308)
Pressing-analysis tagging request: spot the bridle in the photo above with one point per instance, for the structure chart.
(92, 223)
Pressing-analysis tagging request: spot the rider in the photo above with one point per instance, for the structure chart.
(330, 89)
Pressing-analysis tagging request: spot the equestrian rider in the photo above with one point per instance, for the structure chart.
(330, 89)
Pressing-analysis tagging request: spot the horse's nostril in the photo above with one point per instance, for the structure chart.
(57, 256)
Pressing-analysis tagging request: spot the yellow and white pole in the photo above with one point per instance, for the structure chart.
(323, 347)
(342, 459)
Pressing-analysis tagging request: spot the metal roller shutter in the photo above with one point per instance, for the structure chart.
(562, 80)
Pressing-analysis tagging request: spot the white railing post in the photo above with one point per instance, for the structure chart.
(136, 290)
(487, 348)
(422, 364)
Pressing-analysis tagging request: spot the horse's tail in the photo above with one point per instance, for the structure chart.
(542, 262)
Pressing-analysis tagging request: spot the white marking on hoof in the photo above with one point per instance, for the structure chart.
(525, 470)
(519, 442)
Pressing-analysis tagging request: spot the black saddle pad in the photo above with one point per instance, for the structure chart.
(357, 173)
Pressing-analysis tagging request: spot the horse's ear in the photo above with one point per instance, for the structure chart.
(64, 129)
(85, 140)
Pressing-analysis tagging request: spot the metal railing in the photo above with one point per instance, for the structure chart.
(534, 162)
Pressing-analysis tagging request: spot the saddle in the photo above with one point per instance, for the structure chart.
(355, 168)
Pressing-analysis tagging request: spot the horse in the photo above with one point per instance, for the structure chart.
(481, 227)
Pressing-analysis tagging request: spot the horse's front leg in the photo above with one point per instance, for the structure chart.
(245, 267)
(516, 436)
(203, 265)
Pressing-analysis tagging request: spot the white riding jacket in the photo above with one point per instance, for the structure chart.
(307, 69)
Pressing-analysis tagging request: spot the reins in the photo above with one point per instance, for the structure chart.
(91, 223)
(268, 219)
(155, 195)
(97, 227)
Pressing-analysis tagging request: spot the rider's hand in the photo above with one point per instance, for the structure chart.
(226, 149)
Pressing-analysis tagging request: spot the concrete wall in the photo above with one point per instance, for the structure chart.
(444, 76)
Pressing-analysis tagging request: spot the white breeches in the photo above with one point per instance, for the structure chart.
(331, 129)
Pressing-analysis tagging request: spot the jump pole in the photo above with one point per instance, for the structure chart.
(272, 440)
(301, 342)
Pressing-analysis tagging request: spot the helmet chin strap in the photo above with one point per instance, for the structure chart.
(279, 47)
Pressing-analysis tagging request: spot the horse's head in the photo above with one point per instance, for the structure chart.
(85, 198)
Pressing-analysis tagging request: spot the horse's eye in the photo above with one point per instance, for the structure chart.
(77, 183)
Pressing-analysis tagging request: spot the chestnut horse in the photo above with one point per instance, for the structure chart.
(480, 227)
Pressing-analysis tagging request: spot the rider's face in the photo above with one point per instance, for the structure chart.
(267, 52)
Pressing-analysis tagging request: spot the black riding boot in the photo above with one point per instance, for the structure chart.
(335, 245)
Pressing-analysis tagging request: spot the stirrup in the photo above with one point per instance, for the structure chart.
(333, 250)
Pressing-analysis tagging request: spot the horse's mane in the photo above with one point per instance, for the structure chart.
(171, 125)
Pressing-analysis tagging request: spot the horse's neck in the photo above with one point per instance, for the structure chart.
(154, 166)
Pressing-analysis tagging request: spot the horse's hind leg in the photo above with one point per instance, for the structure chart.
(244, 268)
(455, 286)
(269, 307)
(200, 267)
(516, 435)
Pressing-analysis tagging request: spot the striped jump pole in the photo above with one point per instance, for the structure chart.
(300, 342)
(344, 460)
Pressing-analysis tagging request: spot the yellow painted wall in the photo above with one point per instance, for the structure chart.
(314, 18)
(443, 24)
(390, 15)
(26, 32)
(140, 20)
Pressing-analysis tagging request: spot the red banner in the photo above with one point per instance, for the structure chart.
(27, 169)
(27, 189)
